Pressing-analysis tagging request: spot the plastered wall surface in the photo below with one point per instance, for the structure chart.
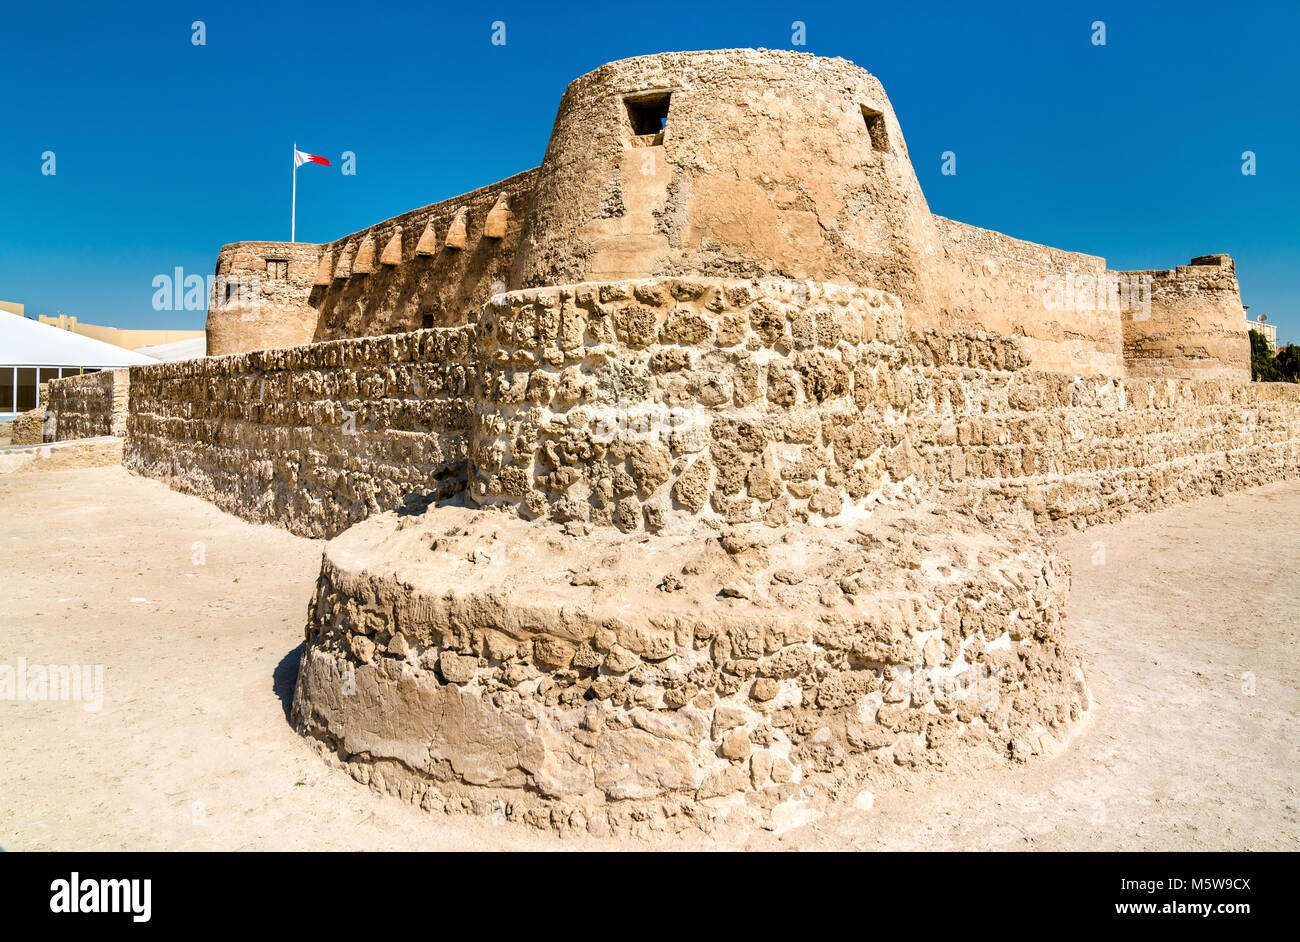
(1196, 325)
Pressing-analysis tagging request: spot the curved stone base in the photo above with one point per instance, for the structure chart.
(469, 660)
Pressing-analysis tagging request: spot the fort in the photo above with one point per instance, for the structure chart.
(737, 164)
(701, 475)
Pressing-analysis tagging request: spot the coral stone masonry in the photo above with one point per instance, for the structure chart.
(699, 477)
(748, 677)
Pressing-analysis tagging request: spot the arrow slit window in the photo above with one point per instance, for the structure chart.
(876, 129)
(647, 116)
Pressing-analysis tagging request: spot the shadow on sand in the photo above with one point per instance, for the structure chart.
(285, 677)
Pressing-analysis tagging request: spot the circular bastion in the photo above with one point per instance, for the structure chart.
(736, 163)
(468, 660)
(692, 581)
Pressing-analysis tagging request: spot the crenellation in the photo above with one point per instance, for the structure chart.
(428, 244)
(324, 273)
(498, 219)
(343, 268)
(392, 254)
(457, 233)
(365, 259)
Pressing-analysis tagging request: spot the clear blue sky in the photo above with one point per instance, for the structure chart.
(164, 150)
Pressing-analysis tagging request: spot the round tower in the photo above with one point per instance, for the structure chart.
(733, 163)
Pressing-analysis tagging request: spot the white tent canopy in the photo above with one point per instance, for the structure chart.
(177, 350)
(25, 342)
(32, 353)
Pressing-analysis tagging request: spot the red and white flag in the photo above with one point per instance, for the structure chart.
(299, 158)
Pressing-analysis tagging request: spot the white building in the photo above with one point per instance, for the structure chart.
(32, 353)
(1268, 330)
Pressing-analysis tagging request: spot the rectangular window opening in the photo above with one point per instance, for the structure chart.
(426, 321)
(26, 388)
(277, 269)
(648, 117)
(876, 129)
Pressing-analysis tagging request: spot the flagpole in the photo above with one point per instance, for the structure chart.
(293, 211)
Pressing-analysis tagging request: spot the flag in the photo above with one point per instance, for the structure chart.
(299, 158)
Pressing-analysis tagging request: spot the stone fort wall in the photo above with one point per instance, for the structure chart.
(997, 283)
(468, 661)
(311, 438)
(1077, 316)
(814, 403)
(87, 406)
(738, 164)
(654, 404)
(432, 267)
(706, 552)
(261, 297)
(28, 427)
(1196, 324)
(745, 463)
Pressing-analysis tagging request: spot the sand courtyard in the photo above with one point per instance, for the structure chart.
(1185, 618)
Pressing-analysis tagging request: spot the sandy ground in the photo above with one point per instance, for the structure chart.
(1186, 619)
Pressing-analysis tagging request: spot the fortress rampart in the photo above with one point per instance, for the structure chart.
(739, 164)
(997, 283)
(87, 406)
(645, 405)
(642, 556)
(701, 474)
(432, 267)
(311, 438)
(262, 297)
(1195, 327)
